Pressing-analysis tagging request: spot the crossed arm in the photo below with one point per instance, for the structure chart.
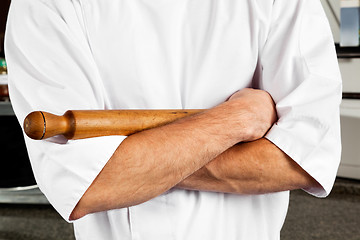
(218, 150)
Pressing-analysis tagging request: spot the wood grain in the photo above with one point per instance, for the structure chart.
(79, 124)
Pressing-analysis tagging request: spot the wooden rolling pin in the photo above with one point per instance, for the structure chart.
(79, 124)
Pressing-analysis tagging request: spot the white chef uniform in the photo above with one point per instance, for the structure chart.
(154, 54)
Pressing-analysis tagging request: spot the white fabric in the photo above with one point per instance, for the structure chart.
(153, 54)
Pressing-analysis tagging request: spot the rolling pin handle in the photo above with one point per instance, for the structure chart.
(40, 125)
(35, 125)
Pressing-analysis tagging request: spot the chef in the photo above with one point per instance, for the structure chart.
(266, 71)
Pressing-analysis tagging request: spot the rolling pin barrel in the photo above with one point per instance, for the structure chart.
(79, 124)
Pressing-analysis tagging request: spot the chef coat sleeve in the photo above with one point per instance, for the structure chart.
(51, 68)
(300, 71)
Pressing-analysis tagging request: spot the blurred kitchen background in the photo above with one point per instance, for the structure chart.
(26, 214)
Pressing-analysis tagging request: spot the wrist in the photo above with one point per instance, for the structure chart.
(256, 113)
(236, 122)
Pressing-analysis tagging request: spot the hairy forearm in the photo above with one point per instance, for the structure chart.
(250, 168)
(149, 163)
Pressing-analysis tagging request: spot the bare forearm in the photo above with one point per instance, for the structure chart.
(250, 168)
(149, 163)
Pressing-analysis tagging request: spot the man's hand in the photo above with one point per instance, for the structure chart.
(260, 109)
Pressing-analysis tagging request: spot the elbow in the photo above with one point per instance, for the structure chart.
(98, 201)
(310, 183)
(78, 212)
(90, 202)
(303, 180)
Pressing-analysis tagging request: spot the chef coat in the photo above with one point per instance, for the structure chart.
(174, 54)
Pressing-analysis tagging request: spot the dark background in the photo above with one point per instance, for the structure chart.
(4, 7)
(15, 169)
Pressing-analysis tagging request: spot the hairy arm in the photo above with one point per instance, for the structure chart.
(151, 162)
(255, 167)
(250, 168)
